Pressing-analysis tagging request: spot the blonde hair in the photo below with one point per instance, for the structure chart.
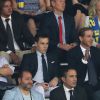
(92, 7)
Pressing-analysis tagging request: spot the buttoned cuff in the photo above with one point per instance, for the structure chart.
(9, 51)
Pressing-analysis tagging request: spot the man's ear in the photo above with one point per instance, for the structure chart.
(80, 38)
(19, 80)
(35, 43)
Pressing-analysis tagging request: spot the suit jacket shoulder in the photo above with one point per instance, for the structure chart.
(15, 94)
(36, 95)
(58, 94)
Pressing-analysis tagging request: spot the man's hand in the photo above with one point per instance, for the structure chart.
(67, 47)
(75, 1)
(33, 49)
(98, 46)
(44, 85)
(53, 82)
(5, 71)
(73, 45)
(5, 66)
(14, 58)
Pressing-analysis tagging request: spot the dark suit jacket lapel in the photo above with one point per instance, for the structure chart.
(92, 53)
(63, 95)
(2, 29)
(55, 25)
(35, 59)
(76, 93)
(66, 23)
(79, 52)
(14, 26)
(48, 61)
(1, 24)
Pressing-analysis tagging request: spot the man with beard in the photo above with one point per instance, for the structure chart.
(24, 90)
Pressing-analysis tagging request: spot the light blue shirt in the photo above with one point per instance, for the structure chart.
(39, 74)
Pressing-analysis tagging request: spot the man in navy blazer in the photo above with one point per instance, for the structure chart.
(33, 62)
(69, 80)
(19, 33)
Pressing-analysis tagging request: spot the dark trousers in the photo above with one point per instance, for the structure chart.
(90, 90)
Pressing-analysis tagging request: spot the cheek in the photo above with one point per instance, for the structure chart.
(69, 81)
(98, 7)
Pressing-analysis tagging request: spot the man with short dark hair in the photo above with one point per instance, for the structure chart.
(85, 59)
(69, 90)
(42, 64)
(14, 34)
(24, 90)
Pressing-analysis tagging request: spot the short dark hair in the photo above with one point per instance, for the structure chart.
(66, 69)
(41, 36)
(21, 73)
(2, 2)
(83, 30)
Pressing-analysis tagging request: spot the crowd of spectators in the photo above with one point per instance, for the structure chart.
(49, 49)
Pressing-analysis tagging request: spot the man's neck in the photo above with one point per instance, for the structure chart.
(5, 16)
(68, 87)
(25, 91)
(59, 13)
(84, 46)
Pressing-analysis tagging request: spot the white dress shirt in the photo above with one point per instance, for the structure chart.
(3, 61)
(63, 26)
(67, 93)
(39, 74)
(84, 61)
(10, 23)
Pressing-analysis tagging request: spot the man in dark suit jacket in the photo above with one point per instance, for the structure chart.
(78, 58)
(69, 79)
(51, 25)
(33, 62)
(20, 33)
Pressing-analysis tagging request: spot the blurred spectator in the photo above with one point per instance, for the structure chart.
(6, 72)
(32, 26)
(93, 21)
(30, 7)
(97, 95)
(48, 5)
(14, 34)
(24, 90)
(78, 9)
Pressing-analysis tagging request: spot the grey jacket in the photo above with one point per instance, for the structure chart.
(15, 94)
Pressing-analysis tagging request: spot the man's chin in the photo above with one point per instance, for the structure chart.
(28, 88)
